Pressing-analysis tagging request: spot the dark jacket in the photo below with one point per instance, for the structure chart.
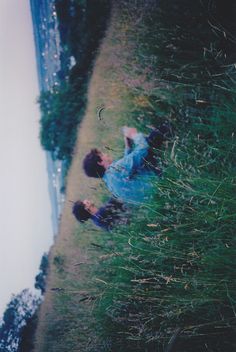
(111, 214)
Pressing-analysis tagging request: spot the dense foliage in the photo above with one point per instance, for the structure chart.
(61, 111)
(40, 278)
(19, 321)
(18, 313)
(81, 25)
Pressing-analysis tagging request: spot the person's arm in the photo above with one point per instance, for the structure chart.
(129, 133)
(134, 160)
(128, 146)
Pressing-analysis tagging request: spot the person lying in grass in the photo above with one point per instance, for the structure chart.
(130, 178)
(106, 217)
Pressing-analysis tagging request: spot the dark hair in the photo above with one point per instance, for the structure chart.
(91, 166)
(80, 212)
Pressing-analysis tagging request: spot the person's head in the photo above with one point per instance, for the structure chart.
(83, 210)
(95, 163)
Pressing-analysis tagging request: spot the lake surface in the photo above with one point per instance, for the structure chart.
(48, 50)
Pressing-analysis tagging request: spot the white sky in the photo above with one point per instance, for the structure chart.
(25, 214)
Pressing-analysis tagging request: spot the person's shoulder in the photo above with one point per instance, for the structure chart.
(101, 211)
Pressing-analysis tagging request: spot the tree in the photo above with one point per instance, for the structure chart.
(20, 309)
(61, 110)
(26, 343)
(40, 279)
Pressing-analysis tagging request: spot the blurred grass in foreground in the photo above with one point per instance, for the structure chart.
(170, 276)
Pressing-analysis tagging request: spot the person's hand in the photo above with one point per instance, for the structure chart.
(129, 132)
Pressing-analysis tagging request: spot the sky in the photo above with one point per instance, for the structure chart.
(25, 213)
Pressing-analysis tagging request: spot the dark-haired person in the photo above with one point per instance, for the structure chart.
(130, 178)
(109, 215)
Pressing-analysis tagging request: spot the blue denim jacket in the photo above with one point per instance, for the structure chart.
(126, 179)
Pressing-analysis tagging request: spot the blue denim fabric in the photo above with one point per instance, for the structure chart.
(126, 179)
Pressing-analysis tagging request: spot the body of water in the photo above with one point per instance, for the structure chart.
(48, 52)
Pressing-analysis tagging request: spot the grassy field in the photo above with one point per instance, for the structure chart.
(166, 282)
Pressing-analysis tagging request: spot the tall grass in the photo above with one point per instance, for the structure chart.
(176, 266)
(168, 282)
